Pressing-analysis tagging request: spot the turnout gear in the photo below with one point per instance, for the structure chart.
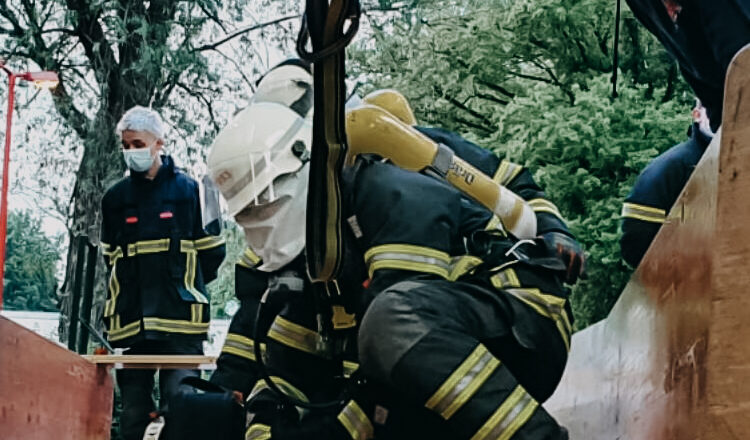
(412, 232)
(655, 191)
(158, 258)
(703, 36)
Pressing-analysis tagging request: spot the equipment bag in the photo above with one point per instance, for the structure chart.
(207, 412)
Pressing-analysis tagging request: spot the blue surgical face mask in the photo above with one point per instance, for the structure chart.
(138, 159)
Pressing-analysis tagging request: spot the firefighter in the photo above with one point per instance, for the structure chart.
(658, 186)
(159, 259)
(456, 315)
(703, 36)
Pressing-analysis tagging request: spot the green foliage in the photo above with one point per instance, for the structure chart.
(530, 79)
(31, 265)
(586, 157)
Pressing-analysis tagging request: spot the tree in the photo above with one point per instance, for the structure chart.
(31, 265)
(530, 79)
(112, 55)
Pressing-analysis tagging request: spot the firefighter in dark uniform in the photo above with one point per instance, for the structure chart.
(703, 36)
(657, 188)
(159, 259)
(457, 314)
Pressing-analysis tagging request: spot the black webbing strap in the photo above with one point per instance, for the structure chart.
(324, 25)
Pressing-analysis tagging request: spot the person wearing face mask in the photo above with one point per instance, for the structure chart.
(658, 186)
(159, 259)
(445, 338)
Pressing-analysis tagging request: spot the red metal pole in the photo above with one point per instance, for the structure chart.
(4, 196)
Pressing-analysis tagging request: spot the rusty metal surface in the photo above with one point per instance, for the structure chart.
(672, 360)
(48, 392)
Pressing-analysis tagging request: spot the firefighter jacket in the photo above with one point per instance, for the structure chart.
(158, 256)
(399, 225)
(655, 191)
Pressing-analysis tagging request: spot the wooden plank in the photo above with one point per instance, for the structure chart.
(48, 392)
(671, 361)
(154, 361)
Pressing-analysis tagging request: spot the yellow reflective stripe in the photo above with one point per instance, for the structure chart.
(106, 248)
(174, 326)
(148, 247)
(285, 386)
(643, 212)
(114, 254)
(463, 265)
(504, 279)
(191, 265)
(208, 242)
(506, 172)
(258, 431)
(549, 306)
(249, 259)
(463, 382)
(544, 205)
(350, 368)
(241, 346)
(295, 336)
(516, 410)
(408, 257)
(116, 332)
(356, 422)
(196, 313)
(113, 283)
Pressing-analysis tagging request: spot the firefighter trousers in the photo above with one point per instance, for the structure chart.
(479, 357)
(137, 386)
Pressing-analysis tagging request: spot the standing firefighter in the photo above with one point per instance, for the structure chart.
(159, 259)
(463, 326)
(657, 188)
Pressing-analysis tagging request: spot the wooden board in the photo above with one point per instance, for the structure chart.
(48, 392)
(154, 361)
(672, 359)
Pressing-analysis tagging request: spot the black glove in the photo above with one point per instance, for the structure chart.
(570, 252)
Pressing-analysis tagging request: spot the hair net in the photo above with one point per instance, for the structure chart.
(141, 119)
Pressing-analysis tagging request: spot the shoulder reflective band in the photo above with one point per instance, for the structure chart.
(506, 172)
(644, 213)
(544, 205)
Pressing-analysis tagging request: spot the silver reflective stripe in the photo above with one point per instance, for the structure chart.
(512, 419)
(409, 257)
(467, 385)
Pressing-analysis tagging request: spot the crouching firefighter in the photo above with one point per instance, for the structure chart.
(159, 259)
(465, 328)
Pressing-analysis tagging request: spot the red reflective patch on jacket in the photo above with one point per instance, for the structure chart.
(366, 283)
(131, 220)
(166, 214)
(673, 9)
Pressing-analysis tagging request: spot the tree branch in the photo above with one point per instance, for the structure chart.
(67, 109)
(201, 97)
(244, 30)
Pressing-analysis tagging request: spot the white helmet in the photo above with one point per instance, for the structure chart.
(264, 141)
(289, 83)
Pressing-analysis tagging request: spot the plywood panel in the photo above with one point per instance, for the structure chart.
(48, 392)
(672, 360)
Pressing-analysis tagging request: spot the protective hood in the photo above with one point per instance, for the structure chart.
(275, 230)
